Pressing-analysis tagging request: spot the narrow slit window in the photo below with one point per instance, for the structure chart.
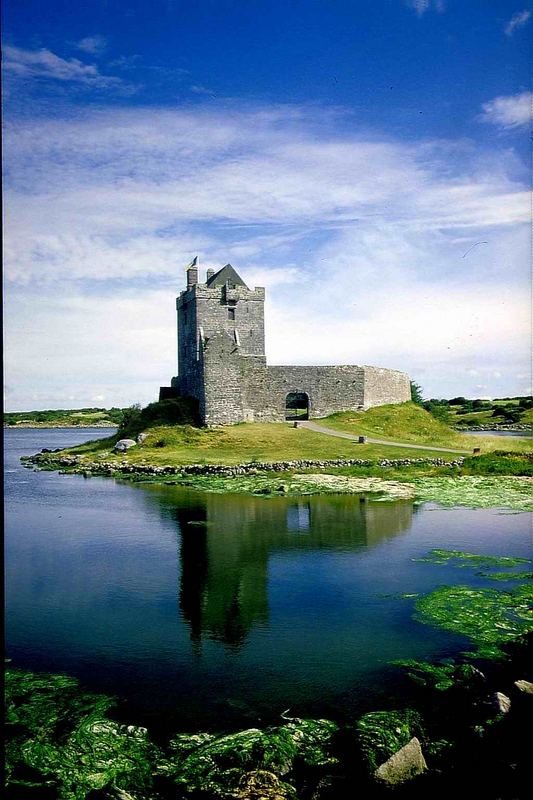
(231, 313)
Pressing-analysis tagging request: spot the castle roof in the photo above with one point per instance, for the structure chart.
(226, 275)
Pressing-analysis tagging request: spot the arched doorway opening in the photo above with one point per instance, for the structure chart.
(297, 405)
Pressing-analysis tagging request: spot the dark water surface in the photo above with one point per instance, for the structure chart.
(209, 611)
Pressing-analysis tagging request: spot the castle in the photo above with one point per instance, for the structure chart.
(222, 362)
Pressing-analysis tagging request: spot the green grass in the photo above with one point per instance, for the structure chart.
(236, 444)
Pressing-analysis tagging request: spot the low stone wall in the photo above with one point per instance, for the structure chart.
(511, 427)
(75, 464)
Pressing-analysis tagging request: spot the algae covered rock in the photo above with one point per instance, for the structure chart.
(216, 764)
(381, 734)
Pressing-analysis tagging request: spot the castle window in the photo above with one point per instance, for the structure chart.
(231, 313)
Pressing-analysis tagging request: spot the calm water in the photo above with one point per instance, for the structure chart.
(214, 611)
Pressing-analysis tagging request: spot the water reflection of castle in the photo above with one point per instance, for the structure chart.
(227, 540)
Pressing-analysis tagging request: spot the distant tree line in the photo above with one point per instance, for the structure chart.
(74, 416)
(505, 409)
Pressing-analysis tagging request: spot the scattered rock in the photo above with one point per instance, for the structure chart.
(141, 437)
(404, 765)
(501, 703)
(524, 686)
(124, 444)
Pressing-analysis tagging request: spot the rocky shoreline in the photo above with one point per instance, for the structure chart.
(47, 459)
(511, 427)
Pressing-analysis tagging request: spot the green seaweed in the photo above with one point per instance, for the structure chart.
(489, 617)
(58, 737)
(98, 754)
(472, 491)
(475, 491)
(506, 576)
(436, 676)
(297, 484)
(382, 733)
(441, 676)
(462, 559)
(216, 764)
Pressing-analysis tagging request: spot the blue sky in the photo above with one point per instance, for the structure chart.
(367, 162)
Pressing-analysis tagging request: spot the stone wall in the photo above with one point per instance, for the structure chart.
(244, 389)
(384, 386)
(329, 389)
(227, 376)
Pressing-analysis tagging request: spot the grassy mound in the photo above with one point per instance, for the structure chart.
(410, 423)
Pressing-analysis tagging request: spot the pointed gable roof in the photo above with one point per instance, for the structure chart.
(226, 275)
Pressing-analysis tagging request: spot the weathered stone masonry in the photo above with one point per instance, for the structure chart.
(222, 363)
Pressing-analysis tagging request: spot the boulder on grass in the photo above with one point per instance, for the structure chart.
(124, 444)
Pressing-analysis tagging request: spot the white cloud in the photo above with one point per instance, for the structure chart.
(45, 65)
(92, 44)
(512, 111)
(421, 6)
(518, 20)
(361, 232)
(199, 89)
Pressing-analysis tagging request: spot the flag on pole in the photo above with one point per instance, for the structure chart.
(194, 263)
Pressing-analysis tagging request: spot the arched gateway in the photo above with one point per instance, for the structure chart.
(297, 405)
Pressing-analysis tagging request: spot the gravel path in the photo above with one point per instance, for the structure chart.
(312, 426)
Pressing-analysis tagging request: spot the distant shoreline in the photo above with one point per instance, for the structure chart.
(58, 425)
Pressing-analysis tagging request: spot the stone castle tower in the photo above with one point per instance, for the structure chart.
(222, 362)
